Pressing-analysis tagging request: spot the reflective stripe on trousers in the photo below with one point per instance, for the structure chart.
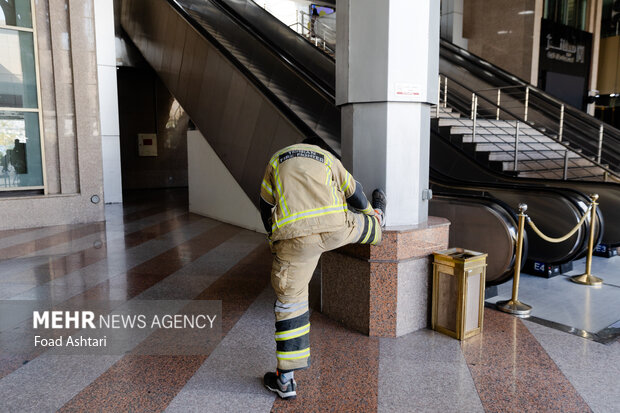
(292, 336)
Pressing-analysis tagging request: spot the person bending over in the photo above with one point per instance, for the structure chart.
(309, 204)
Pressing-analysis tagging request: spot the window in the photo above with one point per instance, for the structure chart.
(568, 12)
(21, 161)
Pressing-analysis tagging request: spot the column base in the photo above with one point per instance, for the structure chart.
(384, 290)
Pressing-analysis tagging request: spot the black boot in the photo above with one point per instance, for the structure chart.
(379, 202)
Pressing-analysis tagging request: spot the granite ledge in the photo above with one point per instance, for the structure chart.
(403, 243)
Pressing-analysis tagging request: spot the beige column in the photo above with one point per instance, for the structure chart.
(593, 25)
(538, 14)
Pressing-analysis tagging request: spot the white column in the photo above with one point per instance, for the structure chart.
(386, 79)
(108, 101)
(452, 22)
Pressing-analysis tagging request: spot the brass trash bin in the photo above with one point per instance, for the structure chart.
(458, 292)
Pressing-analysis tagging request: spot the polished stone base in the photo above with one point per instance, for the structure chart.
(384, 290)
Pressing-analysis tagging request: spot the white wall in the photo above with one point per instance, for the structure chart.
(452, 22)
(213, 192)
(287, 11)
(108, 101)
(284, 10)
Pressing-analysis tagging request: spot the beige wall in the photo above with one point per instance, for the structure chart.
(213, 191)
(497, 32)
(609, 66)
(71, 131)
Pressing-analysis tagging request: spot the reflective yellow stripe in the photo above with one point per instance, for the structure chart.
(283, 204)
(293, 355)
(303, 333)
(345, 184)
(368, 209)
(377, 229)
(267, 187)
(335, 194)
(311, 213)
(369, 228)
(290, 334)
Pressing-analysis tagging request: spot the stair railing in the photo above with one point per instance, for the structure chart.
(480, 106)
(538, 108)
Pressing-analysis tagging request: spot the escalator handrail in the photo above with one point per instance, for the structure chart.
(324, 88)
(568, 193)
(501, 208)
(289, 27)
(272, 97)
(455, 184)
(516, 81)
(520, 119)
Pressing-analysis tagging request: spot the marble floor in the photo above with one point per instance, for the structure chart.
(153, 248)
(589, 311)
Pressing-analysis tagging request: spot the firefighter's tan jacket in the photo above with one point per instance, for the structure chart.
(308, 188)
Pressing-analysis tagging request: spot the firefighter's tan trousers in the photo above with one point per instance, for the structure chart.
(293, 265)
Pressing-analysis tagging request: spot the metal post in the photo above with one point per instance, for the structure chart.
(561, 131)
(514, 306)
(565, 174)
(473, 97)
(499, 93)
(438, 95)
(527, 102)
(516, 168)
(588, 278)
(600, 143)
(475, 119)
(445, 92)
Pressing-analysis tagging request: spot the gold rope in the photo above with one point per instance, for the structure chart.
(565, 237)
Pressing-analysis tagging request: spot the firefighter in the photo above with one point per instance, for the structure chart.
(309, 204)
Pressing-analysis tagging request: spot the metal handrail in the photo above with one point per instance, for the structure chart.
(269, 94)
(571, 114)
(609, 173)
(584, 143)
(325, 46)
(565, 112)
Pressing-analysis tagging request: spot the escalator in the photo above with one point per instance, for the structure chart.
(458, 164)
(486, 215)
(250, 88)
(245, 100)
(555, 211)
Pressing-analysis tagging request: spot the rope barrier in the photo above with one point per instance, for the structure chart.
(565, 237)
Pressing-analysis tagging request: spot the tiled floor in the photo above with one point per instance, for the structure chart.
(152, 248)
(558, 300)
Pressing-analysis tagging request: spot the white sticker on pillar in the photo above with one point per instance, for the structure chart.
(407, 92)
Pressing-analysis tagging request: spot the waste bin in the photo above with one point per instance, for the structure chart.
(458, 292)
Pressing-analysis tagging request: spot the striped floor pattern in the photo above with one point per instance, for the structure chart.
(152, 248)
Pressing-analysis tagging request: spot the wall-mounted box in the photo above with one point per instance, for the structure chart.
(147, 144)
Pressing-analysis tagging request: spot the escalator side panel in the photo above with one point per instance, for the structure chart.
(488, 218)
(241, 123)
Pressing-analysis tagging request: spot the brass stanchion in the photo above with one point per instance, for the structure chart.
(514, 306)
(588, 278)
